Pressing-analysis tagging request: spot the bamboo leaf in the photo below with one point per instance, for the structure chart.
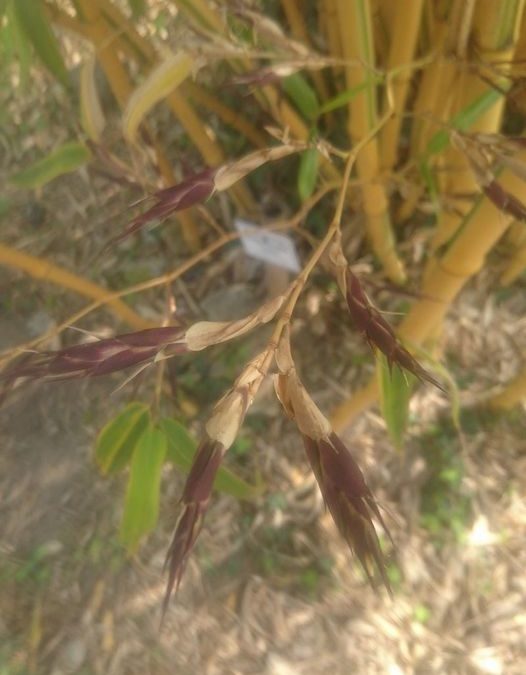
(181, 450)
(163, 80)
(452, 387)
(346, 96)
(15, 41)
(302, 94)
(462, 120)
(395, 394)
(308, 173)
(137, 7)
(141, 505)
(64, 159)
(117, 440)
(91, 115)
(36, 26)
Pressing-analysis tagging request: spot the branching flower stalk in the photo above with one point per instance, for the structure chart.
(108, 298)
(339, 477)
(228, 416)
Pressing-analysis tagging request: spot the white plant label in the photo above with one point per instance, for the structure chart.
(271, 247)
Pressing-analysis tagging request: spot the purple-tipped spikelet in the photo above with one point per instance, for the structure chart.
(349, 500)
(100, 357)
(378, 332)
(199, 187)
(345, 492)
(195, 499)
(193, 190)
(221, 431)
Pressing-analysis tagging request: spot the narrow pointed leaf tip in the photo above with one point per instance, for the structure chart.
(379, 333)
(100, 357)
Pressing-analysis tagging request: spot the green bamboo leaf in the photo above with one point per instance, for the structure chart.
(141, 505)
(7, 38)
(118, 438)
(348, 95)
(440, 369)
(307, 173)
(395, 394)
(36, 26)
(302, 94)
(463, 120)
(15, 42)
(181, 450)
(64, 159)
(137, 7)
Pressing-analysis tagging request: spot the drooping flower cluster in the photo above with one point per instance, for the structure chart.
(342, 484)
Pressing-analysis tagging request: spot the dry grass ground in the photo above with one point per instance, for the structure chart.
(271, 589)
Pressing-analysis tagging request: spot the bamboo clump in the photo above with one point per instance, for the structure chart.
(402, 107)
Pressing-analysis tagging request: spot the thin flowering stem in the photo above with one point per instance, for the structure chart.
(169, 277)
(333, 228)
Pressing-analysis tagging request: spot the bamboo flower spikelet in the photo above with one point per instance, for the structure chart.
(345, 492)
(370, 323)
(221, 431)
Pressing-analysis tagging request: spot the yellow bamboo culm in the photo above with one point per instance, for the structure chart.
(44, 270)
(516, 263)
(404, 37)
(513, 393)
(328, 18)
(356, 38)
(449, 33)
(227, 115)
(445, 278)
(494, 37)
